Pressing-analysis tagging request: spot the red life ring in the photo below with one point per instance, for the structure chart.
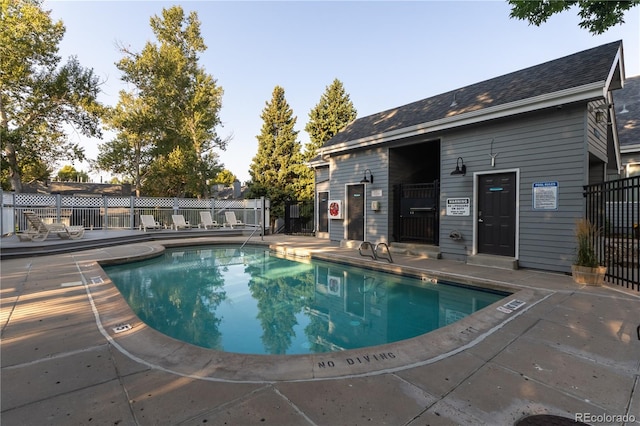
(334, 209)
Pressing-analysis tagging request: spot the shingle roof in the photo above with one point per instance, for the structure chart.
(579, 69)
(628, 122)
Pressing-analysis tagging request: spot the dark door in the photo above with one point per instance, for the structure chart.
(497, 214)
(355, 212)
(323, 212)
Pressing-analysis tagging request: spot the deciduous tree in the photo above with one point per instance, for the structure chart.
(225, 177)
(597, 16)
(69, 173)
(182, 101)
(130, 153)
(39, 96)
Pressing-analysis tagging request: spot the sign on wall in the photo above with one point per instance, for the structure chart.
(335, 209)
(458, 206)
(545, 196)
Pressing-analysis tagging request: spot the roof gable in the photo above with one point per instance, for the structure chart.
(627, 108)
(589, 67)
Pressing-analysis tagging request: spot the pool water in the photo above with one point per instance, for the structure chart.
(252, 301)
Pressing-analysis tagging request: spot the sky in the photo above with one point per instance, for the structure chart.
(386, 53)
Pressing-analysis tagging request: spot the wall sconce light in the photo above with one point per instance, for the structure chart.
(364, 179)
(461, 169)
(600, 117)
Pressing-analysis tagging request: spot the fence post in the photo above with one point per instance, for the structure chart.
(105, 203)
(58, 208)
(262, 213)
(15, 214)
(2, 210)
(132, 211)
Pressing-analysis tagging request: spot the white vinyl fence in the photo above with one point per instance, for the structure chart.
(110, 212)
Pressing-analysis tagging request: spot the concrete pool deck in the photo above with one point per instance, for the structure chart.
(568, 350)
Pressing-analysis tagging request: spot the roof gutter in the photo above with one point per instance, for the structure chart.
(627, 149)
(575, 94)
(317, 163)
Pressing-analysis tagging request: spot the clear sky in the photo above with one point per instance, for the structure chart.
(385, 53)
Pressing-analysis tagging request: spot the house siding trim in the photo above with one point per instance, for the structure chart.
(617, 67)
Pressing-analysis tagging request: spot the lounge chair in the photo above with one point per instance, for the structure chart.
(232, 221)
(39, 231)
(206, 221)
(147, 221)
(179, 222)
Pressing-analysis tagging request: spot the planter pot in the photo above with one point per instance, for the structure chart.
(587, 275)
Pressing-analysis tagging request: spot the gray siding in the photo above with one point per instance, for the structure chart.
(542, 147)
(322, 174)
(597, 132)
(349, 169)
(545, 146)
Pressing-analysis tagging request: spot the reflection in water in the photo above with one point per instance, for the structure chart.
(251, 301)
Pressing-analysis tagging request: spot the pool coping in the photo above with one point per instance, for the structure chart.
(139, 342)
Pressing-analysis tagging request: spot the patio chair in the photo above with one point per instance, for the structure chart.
(147, 221)
(206, 221)
(39, 231)
(232, 221)
(179, 222)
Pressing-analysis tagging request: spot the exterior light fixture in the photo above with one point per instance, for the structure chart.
(461, 169)
(364, 179)
(601, 112)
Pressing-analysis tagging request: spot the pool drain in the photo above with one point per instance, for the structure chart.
(121, 327)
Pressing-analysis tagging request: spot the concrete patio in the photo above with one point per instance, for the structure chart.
(569, 351)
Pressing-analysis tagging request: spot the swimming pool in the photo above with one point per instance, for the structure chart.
(252, 301)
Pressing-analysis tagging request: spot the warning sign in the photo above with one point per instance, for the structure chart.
(458, 206)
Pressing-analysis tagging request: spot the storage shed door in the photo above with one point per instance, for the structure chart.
(355, 212)
(497, 214)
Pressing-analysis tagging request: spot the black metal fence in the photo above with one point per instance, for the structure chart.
(298, 217)
(614, 207)
(416, 212)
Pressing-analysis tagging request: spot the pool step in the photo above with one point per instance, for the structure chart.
(500, 262)
(420, 250)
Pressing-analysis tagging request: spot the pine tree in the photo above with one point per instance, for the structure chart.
(333, 112)
(274, 169)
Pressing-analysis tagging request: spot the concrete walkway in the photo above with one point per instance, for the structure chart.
(569, 351)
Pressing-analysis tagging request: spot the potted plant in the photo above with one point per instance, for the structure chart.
(587, 270)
